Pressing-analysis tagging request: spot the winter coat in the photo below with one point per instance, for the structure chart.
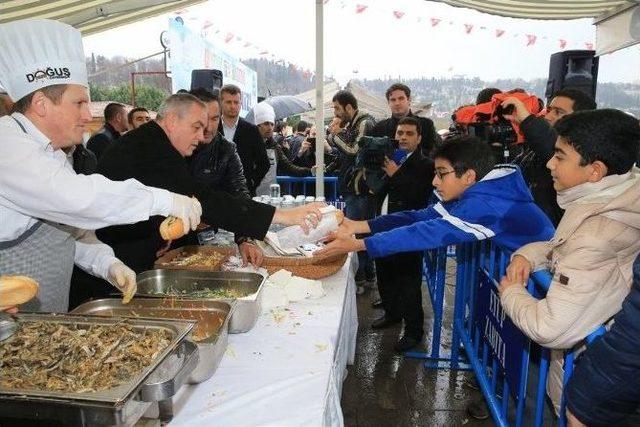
(103, 139)
(591, 257)
(347, 144)
(218, 165)
(499, 206)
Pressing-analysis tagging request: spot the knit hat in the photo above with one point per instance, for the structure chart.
(263, 112)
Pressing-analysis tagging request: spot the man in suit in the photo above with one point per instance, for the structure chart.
(115, 124)
(251, 148)
(400, 276)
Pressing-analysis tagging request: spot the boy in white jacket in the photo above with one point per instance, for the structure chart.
(592, 252)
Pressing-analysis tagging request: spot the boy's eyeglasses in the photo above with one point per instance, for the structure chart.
(441, 174)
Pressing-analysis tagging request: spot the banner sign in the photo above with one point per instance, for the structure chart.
(191, 51)
(507, 343)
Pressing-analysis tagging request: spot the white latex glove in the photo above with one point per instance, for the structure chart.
(188, 209)
(123, 278)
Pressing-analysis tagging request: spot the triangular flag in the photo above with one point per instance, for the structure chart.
(228, 37)
(361, 8)
(531, 39)
(247, 44)
(589, 46)
(468, 28)
(499, 33)
(434, 22)
(398, 14)
(563, 43)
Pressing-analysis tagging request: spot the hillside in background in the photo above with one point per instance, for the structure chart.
(276, 78)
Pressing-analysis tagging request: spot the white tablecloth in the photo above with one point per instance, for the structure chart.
(287, 371)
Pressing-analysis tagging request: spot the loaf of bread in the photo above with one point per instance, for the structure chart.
(171, 228)
(16, 290)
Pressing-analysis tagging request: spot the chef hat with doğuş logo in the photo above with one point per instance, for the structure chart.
(263, 112)
(37, 53)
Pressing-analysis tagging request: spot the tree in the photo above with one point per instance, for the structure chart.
(146, 96)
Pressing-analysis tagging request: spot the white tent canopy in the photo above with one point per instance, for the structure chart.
(617, 21)
(90, 16)
(543, 9)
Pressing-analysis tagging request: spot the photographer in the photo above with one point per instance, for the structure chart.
(409, 184)
(306, 156)
(539, 142)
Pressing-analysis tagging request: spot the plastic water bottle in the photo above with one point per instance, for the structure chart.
(274, 190)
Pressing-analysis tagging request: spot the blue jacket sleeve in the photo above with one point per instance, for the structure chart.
(401, 219)
(467, 221)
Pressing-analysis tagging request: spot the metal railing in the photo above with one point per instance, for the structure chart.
(511, 370)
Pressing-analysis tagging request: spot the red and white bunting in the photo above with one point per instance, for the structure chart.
(531, 39)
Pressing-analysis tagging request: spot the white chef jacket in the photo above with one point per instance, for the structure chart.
(37, 182)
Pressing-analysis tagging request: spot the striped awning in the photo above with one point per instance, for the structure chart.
(89, 16)
(544, 9)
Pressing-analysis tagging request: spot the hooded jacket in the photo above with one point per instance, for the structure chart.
(591, 258)
(499, 206)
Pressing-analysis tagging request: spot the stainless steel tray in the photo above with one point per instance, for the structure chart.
(121, 405)
(210, 334)
(158, 284)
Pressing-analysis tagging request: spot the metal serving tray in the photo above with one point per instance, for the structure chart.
(122, 405)
(211, 331)
(157, 283)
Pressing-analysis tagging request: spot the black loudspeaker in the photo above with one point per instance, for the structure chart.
(573, 69)
(207, 79)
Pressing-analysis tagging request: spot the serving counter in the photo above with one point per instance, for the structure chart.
(286, 371)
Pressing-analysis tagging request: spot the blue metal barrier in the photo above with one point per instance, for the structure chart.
(288, 181)
(504, 360)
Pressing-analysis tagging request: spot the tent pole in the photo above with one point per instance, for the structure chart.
(320, 135)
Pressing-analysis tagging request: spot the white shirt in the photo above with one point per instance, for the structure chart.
(230, 131)
(37, 182)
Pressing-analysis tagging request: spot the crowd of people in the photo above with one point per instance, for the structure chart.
(569, 201)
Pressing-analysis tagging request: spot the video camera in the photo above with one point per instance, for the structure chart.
(487, 122)
(373, 150)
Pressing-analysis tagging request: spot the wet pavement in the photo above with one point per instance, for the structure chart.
(383, 388)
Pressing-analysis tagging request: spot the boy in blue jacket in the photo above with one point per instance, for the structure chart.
(478, 201)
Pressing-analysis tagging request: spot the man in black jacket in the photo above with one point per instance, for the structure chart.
(400, 276)
(251, 149)
(155, 153)
(216, 164)
(399, 100)
(115, 123)
(539, 142)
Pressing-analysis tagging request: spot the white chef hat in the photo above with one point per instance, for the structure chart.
(263, 112)
(37, 53)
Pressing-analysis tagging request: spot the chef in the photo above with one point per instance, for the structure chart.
(42, 68)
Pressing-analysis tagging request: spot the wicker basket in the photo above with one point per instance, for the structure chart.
(308, 267)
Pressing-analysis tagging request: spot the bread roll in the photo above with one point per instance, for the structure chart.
(16, 290)
(339, 216)
(171, 228)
